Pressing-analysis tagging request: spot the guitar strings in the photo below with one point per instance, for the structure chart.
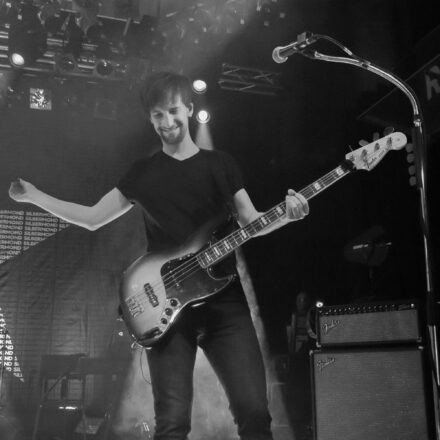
(192, 265)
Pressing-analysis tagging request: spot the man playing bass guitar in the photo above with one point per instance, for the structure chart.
(180, 188)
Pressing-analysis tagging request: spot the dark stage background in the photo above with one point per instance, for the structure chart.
(59, 283)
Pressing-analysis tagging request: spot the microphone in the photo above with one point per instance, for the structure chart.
(281, 53)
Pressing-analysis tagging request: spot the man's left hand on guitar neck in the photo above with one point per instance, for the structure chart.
(297, 208)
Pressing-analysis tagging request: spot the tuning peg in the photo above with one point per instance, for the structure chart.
(363, 142)
(388, 130)
(376, 136)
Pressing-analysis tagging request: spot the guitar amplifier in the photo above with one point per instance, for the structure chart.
(368, 323)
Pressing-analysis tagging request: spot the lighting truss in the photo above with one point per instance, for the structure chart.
(247, 80)
(47, 62)
(203, 25)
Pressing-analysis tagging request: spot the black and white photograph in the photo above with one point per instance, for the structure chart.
(219, 220)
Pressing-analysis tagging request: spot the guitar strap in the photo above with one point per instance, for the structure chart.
(228, 266)
(222, 184)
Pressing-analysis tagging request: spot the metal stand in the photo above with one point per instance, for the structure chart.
(420, 149)
(72, 366)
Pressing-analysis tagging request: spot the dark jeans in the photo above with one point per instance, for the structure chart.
(223, 329)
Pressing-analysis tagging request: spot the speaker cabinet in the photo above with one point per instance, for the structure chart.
(372, 394)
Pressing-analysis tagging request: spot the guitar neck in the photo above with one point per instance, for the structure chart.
(228, 244)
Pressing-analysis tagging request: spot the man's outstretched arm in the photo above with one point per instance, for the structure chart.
(110, 207)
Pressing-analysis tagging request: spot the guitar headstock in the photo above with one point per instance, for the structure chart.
(368, 156)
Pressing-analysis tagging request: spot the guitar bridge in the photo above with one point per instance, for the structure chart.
(134, 306)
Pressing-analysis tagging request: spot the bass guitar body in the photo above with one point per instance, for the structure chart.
(159, 285)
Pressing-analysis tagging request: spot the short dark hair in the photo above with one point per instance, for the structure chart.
(161, 85)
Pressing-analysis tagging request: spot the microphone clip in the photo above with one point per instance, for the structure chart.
(281, 53)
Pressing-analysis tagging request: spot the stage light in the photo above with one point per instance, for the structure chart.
(87, 19)
(53, 24)
(95, 32)
(203, 116)
(50, 17)
(26, 37)
(8, 12)
(16, 60)
(25, 48)
(104, 68)
(66, 59)
(74, 36)
(65, 62)
(199, 86)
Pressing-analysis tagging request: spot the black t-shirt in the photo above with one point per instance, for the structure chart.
(178, 196)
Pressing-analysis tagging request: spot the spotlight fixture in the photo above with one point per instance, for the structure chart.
(16, 60)
(95, 32)
(53, 25)
(74, 36)
(199, 86)
(103, 68)
(8, 12)
(50, 17)
(26, 37)
(203, 116)
(87, 20)
(65, 62)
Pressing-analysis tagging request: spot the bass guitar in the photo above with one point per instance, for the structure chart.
(158, 286)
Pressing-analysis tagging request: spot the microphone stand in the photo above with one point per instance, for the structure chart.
(420, 150)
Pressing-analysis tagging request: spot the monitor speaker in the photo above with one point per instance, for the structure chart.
(369, 394)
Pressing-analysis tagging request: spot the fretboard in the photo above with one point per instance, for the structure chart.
(222, 248)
